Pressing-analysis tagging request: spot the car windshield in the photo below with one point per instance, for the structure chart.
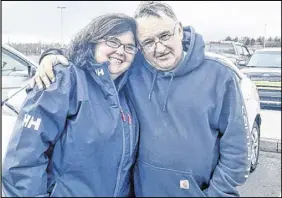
(266, 59)
(220, 48)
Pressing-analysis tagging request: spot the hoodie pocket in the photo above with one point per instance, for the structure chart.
(45, 195)
(150, 180)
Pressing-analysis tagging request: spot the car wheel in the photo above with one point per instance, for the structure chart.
(255, 143)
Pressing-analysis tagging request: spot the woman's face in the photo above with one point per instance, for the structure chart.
(118, 50)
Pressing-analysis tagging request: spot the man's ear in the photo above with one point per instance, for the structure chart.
(180, 30)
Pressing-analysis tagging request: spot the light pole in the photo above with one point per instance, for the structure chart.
(61, 8)
(264, 36)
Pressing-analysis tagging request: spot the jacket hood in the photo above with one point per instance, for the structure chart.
(90, 64)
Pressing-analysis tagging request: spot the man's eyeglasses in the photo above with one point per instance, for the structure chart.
(114, 43)
(149, 45)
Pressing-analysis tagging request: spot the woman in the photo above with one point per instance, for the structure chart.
(79, 136)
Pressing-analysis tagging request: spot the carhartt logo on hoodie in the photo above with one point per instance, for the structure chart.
(31, 121)
(184, 184)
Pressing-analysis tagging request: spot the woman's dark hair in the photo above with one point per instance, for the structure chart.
(81, 47)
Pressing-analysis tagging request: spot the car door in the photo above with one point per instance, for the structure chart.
(250, 96)
(15, 72)
(240, 52)
(10, 110)
(251, 99)
(246, 53)
(243, 53)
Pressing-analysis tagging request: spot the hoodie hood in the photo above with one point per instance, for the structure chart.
(194, 46)
(90, 64)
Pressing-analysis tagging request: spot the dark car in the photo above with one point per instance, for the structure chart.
(264, 69)
(235, 51)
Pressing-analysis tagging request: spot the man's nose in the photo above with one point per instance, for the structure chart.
(160, 48)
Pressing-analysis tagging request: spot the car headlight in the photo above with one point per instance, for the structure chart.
(255, 93)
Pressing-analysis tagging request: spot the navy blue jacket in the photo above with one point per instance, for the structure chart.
(92, 128)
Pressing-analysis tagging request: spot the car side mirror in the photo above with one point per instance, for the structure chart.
(242, 63)
(4, 64)
(31, 71)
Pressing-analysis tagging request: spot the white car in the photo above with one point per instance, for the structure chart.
(250, 94)
(16, 69)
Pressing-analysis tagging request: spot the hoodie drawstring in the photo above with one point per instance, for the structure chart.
(166, 95)
(152, 86)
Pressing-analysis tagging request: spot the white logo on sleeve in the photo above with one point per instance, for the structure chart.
(184, 184)
(30, 121)
(99, 72)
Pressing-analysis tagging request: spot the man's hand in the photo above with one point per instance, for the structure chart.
(44, 74)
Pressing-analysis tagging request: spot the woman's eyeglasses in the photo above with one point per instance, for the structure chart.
(114, 43)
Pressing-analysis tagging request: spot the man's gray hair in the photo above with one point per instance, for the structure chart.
(153, 8)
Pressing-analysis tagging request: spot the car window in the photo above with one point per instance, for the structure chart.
(11, 63)
(239, 50)
(220, 48)
(265, 59)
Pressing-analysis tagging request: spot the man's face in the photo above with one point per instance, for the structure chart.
(161, 41)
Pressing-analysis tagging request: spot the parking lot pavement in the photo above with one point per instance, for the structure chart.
(270, 131)
(271, 124)
(265, 181)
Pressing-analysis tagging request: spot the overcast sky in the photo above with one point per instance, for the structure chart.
(40, 20)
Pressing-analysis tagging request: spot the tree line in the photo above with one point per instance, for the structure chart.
(269, 42)
(38, 48)
(34, 48)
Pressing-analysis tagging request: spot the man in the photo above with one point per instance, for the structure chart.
(193, 140)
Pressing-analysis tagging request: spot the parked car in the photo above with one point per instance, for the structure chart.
(264, 69)
(11, 108)
(235, 51)
(16, 69)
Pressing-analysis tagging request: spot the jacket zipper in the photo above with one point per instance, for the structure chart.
(123, 143)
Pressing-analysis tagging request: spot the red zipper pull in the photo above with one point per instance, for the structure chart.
(129, 119)
(122, 115)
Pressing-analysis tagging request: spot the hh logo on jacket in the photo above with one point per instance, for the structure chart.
(31, 121)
